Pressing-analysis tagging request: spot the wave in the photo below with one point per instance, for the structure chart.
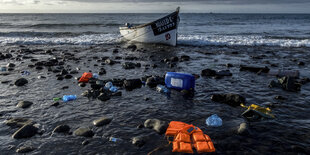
(69, 25)
(237, 40)
(93, 39)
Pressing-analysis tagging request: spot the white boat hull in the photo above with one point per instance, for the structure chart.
(161, 31)
(146, 35)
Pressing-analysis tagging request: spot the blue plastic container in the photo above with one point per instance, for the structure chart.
(180, 81)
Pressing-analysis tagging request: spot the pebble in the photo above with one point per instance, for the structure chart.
(102, 121)
(138, 141)
(24, 104)
(83, 131)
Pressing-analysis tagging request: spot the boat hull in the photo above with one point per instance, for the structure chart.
(146, 35)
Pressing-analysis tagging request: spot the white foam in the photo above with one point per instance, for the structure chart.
(204, 40)
(93, 39)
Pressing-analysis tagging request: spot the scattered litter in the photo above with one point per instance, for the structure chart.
(113, 139)
(162, 89)
(255, 112)
(85, 77)
(25, 73)
(108, 85)
(180, 81)
(214, 121)
(3, 69)
(186, 136)
(95, 75)
(113, 89)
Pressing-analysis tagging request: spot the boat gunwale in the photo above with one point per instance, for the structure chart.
(147, 24)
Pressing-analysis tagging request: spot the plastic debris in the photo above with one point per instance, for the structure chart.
(108, 85)
(85, 77)
(25, 73)
(214, 121)
(57, 98)
(95, 75)
(67, 98)
(180, 81)
(254, 112)
(186, 136)
(3, 69)
(113, 139)
(113, 89)
(162, 89)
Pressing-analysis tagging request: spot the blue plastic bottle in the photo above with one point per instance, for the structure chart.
(162, 89)
(95, 75)
(214, 121)
(67, 98)
(180, 81)
(113, 89)
(108, 85)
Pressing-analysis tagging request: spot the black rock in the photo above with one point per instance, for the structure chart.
(208, 72)
(68, 76)
(185, 58)
(115, 50)
(83, 131)
(157, 125)
(25, 131)
(102, 121)
(95, 86)
(138, 141)
(132, 47)
(21, 82)
(60, 78)
(104, 97)
(39, 67)
(55, 104)
(174, 59)
(230, 99)
(229, 65)
(109, 62)
(10, 65)
(64, 72)
(301, 63)
(254, 69)
(280, 98)
(62, 129)
(85, 142)
(73, 72)
(82, 84)
(154, 81)
(132, 84)
(24, 104)
(129, 65)
(25, 149)
(287, 83)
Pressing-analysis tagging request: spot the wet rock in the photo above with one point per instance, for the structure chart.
(21, 82)
(230, 99)
(65, 87)
(154, 81)
(68, 76)
(62, 129)
(229, 65)
(157, 125)
(41, 77)
(109, 62)
(185, 58)
(174, 59)
(17, 122)
(102, 121)
(39, 67)
(132, 84)
(115, 50)
(139, 141)
(129, 65)
(25, 149)
(25, 131)
(64, 72)
(132, 47)
(83, 131)
(138, 65)
(254, 69)
(280, 97)
(60, 78)
(10, 65)
(301, 63)
(85, 142)
(82, 84)
(140, 126)
(223, 73)
(104, 97)
(55, 104)
(243, 129)
(24, 104)
(208, 72)
(5, 82)
(73, 72)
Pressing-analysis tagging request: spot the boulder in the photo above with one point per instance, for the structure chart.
(83, 131)
(230, 99)
(157, 125)
(24, 104)
(254, 69)
(208, 72)
(132, 84)
(21, 82)
(287, 83)
(102, 121)
(26, 131)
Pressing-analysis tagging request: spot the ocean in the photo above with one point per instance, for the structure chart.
(52, 51)
(286, 30)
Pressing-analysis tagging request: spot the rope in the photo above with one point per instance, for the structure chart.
(159, 148)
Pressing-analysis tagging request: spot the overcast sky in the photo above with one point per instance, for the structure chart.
(161, 6)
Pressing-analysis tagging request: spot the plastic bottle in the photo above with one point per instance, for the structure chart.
(3, 69)
(113, 89)
(108, 85)
(25, 73)
(95, 75)
(67, 98)
(113, 139)
(162, 89)
(214, 121)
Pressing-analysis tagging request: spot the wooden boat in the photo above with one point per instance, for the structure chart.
(161, 31)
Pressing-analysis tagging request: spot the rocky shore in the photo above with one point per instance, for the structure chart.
(133, 119)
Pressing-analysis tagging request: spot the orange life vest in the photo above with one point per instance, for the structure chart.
(85, 77)
(188, 136)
